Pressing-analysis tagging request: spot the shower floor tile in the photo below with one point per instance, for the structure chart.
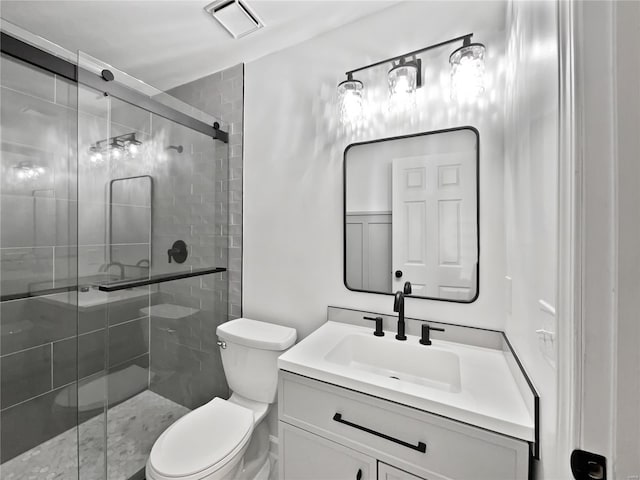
(133, 426)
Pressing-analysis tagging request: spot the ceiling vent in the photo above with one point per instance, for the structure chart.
(235, 16)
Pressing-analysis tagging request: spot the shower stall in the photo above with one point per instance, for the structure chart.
(113, 257)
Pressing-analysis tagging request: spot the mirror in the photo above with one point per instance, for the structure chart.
(411, 215)
(130, 215)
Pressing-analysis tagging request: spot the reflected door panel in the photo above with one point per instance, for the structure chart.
(431, 214)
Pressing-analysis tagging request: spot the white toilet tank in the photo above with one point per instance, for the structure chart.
(249, 356)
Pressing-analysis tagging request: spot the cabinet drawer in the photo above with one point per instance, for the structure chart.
(420, 443)
(306, 456)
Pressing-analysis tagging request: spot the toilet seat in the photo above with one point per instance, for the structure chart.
(202, 442)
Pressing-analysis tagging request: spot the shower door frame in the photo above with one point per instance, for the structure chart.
(21, 50)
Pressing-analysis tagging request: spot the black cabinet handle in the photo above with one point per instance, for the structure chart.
(398, 274)
(359, 474)
(421, 447)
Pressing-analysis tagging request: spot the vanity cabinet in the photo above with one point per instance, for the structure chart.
(325, 426)
(306, 456)
(387, 472)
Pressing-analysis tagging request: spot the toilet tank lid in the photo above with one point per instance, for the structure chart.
(255, 334)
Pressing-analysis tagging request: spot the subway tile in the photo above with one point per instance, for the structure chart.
(65, 266)
(124, 311)
(35, 421)
(130, 256)
(26, 269)
(184, 331)
(31, 322)
(128, 340)
(130, 117)
(128, 379)
(78, 357)
(23, 77)
(66, 92)
(28, 221)
(25, 374)
(40, 132)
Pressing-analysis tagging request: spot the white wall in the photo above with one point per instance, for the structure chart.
(293, 258)
(626, 461)
(531, 203)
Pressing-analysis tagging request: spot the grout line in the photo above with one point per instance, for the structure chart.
(25, 349)
(129, 321)
(38, 396)
(51, 361)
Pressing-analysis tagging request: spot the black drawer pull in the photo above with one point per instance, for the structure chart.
(421, 447)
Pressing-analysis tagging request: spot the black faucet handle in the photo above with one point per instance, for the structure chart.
(425, 339)
(407, 288)
(378, 332)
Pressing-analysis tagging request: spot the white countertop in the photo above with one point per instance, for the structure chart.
(489, 396)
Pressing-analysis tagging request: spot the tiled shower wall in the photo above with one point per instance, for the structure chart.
(185, 360)
(191, 205)
(222, 95)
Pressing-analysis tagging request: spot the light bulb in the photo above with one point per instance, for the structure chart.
(467, 72)
(116, 153)
(133, 149)
(403, 81)
(350, 99)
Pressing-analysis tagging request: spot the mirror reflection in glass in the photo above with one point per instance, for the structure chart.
(411, 215)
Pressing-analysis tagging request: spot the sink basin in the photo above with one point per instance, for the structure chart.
(416, 364)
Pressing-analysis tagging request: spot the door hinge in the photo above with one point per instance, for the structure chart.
(588, 466)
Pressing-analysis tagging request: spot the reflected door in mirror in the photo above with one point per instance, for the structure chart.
(411, 215)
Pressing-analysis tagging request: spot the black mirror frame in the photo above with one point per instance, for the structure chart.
(344, 209)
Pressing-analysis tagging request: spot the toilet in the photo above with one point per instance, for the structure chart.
(227, 439)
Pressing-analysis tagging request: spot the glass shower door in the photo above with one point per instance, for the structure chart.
(152, 254)
(38, 261)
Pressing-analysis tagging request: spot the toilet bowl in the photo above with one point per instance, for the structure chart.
(227, 439)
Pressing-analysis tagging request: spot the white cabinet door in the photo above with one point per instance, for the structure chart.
(305, 456)
(387, 472)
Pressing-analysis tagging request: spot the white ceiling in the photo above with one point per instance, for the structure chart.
(168, 42)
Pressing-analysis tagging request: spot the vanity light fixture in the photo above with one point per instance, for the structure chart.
(26, 170)
(467, 70)
(350, 99)
(405, 76)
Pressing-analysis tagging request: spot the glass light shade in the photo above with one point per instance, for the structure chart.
(403, 81)
(350, 99)
(467, 72)
(27, 171)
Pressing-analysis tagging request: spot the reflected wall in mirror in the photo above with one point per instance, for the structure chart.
(130, 214)
(411, 208)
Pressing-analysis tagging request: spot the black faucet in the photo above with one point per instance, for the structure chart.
(407, 288)
(398, 306)
(107, 266)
